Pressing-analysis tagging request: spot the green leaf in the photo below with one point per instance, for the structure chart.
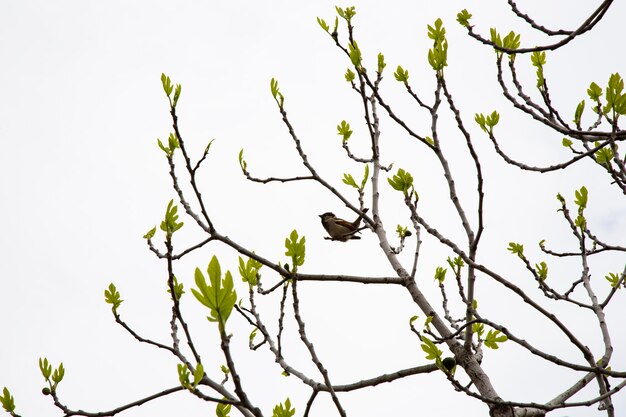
(343, 129)
(412, 319)
(276, 92)
(438, 54)
(492, 339)
(440, 274)
(249, 271)
(366, 175)
(242, 162)
(177, 92)
(349, 180)
(167, 84)
(295, 249)
(580, 221)
(495, 39)
(402, 232)
(222, 410)
(567, 143)
(613, 279)
(511, 41)
(432, 351)
(492, 119)
(274, 87)
(284, 410)
(163, 148)
(323, 24)
(604, 155)
(150, 234)
(7, 400)
(170, 224)
(57, 375)
(381, 63)
(463, 17)
(172, 141)
(480, 119)
(198, 374)
(355, 54)
(347, 13)
(178, 288)
(46, 368)
(401, 181)
(349, 76)
(579, 112)
(582, 197)
(594, 91)
(219, 295)
(516, 249)
(401, 74)
(487, 123)
(538, 59)
(112, 296)
(615, 101)
(252, 335)
(456, 264)
(183, 376)
(478, 328)
(542, 270)
(437, 32)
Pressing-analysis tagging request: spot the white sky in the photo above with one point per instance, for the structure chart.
(81, 180)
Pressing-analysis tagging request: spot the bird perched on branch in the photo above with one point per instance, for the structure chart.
(339, 229)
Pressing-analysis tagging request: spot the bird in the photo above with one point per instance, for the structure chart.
(339, 229)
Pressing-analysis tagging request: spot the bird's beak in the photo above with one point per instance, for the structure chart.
(321, 215)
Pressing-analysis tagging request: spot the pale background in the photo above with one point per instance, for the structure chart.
(81, 180)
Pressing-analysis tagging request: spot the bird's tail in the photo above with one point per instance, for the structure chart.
(357, 222)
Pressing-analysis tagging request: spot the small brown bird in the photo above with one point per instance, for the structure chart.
(339, 229)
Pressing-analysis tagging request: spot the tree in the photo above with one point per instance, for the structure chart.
(454, 322)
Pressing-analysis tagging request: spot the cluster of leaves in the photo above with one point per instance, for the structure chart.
(403, 231)
(348, 179)
(510, 41)
(401, 75)
(52, 377)
(172, 144)
(615, 97)
(295, 250)
(284, 410)
(440, 274)
(402, 181)
(249, 271)
(492, 338)
(516, 249)
(168, 87)
(438, 54)
(184, 374)
(487, 123)
(538, 60)
(278, 96)
(581, 198)
(463, 17)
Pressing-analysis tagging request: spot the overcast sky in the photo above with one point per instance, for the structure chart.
(81, 181)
